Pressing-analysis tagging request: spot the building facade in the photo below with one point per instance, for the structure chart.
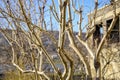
(103, 20)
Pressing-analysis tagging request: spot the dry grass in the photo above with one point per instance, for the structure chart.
(16, 75)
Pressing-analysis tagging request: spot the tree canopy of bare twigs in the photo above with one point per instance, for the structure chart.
(24, 23)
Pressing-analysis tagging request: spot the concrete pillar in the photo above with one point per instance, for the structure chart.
(119, 28)
(105, 30)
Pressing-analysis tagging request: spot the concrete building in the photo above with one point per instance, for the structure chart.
(103, 19)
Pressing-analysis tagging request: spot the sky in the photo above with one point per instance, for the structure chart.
(87, 8)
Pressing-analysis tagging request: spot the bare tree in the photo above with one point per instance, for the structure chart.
(26, 21)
